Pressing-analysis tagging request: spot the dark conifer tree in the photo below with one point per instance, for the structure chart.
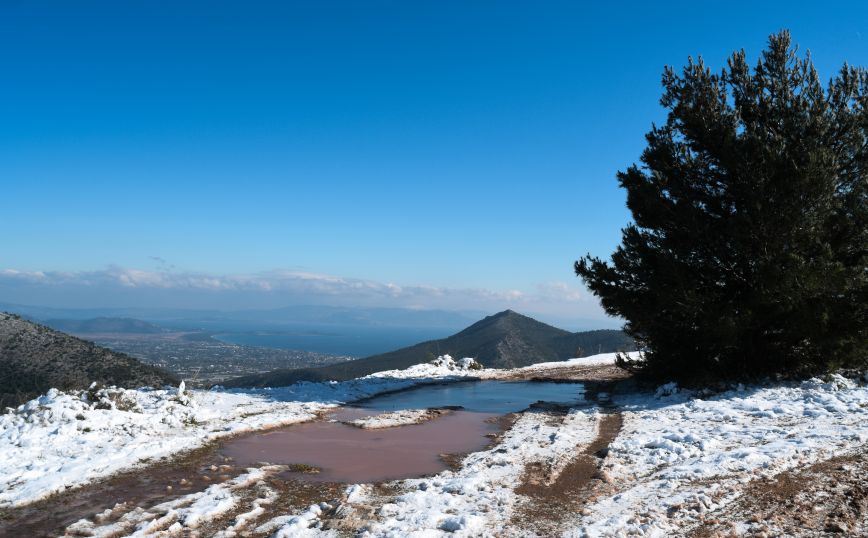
(748, 254)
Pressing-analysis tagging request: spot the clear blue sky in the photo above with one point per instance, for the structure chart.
(449, 143)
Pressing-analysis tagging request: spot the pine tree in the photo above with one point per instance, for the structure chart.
(748, 254)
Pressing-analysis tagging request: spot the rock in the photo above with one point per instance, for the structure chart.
(604, 476)
(837, 526)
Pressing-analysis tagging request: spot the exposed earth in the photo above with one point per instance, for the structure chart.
(829, 498)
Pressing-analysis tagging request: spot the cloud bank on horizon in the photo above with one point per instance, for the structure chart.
(117, 286)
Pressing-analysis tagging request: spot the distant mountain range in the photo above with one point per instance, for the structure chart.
(103, 325)
(290, 315)
(504, 340)
(35, 358)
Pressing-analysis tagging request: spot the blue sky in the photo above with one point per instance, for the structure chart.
(443, 145)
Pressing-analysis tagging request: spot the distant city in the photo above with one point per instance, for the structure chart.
(208, 347)
(203, 360)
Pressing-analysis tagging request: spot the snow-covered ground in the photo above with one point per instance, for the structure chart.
(184, 513)
(680, 455)
(479, 498)
(65, 439)
(603, 359)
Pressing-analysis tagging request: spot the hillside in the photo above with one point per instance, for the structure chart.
(504, 340)
(102, 325)
(35, 358)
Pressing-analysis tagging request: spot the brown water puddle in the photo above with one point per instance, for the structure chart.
(354, 455)
(344, 453)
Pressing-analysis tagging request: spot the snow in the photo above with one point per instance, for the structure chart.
(680, 454)
(393, 419)
(602, 359)
(182, 514)
(246, 519)
(65, 439)
(302, 525)
(480, 495)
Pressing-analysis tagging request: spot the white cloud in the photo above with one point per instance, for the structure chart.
(560, 291)
(282, 287)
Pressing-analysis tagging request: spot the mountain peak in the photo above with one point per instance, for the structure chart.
(503, 340)
(505, 315)
(506, 320)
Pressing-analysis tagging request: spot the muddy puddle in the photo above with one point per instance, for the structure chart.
(344, 453)
(494, 397)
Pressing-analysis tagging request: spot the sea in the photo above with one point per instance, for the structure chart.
(353, 341)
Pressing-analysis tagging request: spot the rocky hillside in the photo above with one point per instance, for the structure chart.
(504, 340)
(35, 358)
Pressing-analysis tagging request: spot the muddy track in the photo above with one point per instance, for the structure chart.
(149, 483)
(551, 495)
(162, 481)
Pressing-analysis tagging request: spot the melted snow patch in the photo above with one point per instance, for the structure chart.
(402, 417)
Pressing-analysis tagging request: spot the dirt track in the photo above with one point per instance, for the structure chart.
(829, 498)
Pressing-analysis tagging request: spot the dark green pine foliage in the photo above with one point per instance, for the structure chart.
(748, 252)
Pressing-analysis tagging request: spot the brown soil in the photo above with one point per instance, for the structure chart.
(829, 498)
(294, 496)
(160, 482)
(552, 496)
(571, 374)
(152, 482)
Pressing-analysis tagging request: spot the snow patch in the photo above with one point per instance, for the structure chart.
(402, 417)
